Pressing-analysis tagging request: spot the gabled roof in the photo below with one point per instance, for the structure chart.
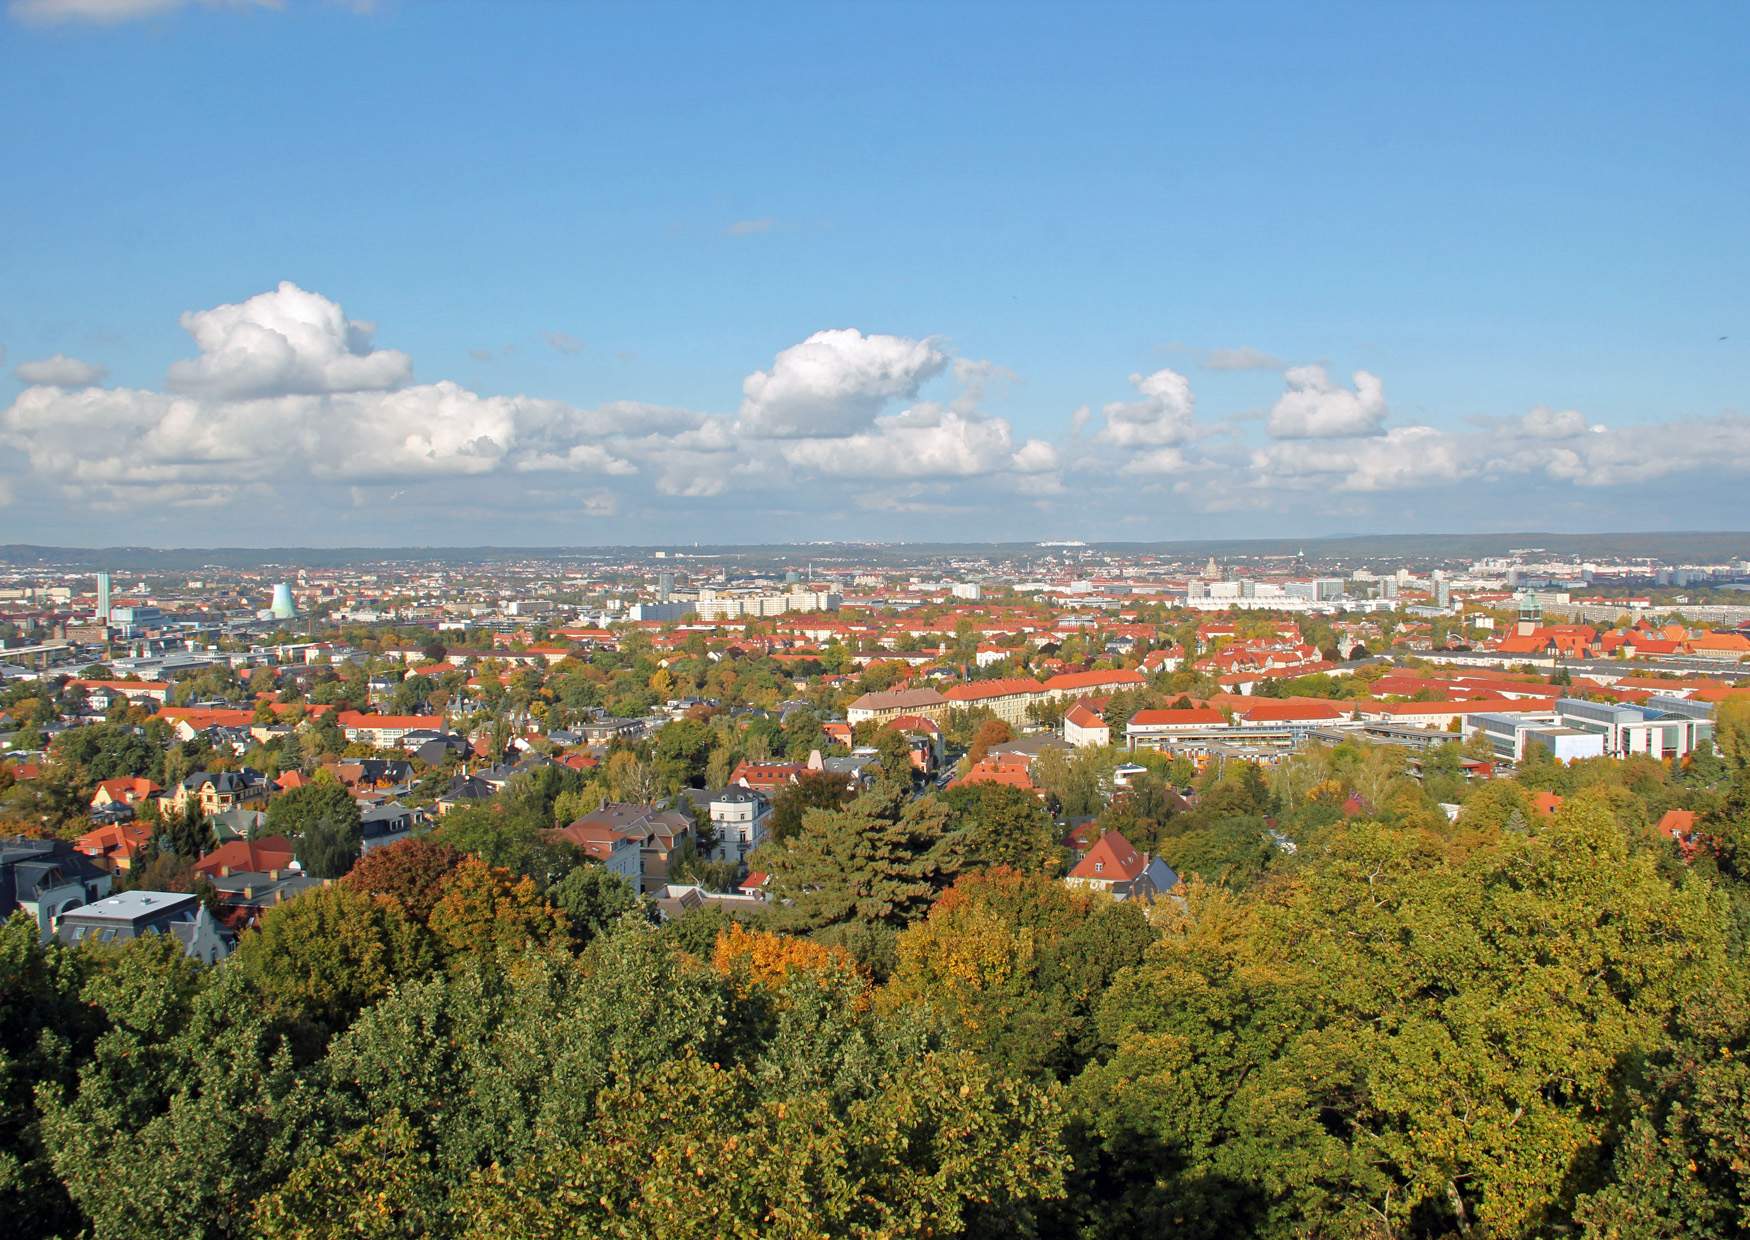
(915, 723)
(125, 787)
(1080, 716)
(1111, 859)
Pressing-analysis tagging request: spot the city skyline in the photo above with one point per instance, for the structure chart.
(1288, 276)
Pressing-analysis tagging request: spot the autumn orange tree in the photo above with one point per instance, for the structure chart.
(412, 872)
(486, 910)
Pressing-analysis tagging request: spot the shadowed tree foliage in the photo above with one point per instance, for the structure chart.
(1017, 962)
(996, 825)
(593, 898)
(793, 801)
(857, 876)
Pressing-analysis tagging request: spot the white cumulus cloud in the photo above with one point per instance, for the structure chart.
(835, 382)
(1314, 407)
(286, 342)
(1165, 414)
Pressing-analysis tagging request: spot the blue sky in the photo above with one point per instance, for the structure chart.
(1510, 236)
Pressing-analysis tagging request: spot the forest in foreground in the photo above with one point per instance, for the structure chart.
(1530, 1020)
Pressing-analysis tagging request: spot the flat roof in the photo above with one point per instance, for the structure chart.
(130, 906)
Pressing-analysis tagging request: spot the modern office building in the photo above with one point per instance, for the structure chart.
(1510, 736)
(1632, 729)
(1581, 729)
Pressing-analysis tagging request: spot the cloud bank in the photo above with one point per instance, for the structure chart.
(287, 400)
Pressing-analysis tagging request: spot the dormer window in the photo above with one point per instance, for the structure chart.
(1099, 866)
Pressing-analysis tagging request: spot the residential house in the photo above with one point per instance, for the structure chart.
(928, 747)
(1168, 660)
(135, 914)
(386, 824)
(265, 855)
(767, 777)
(1678, 826)
(132, 791)
(116, 846)
(46, 878)
(1113, 866)
(1008, 770)
(434, 748)
(464, 790)
(364, 773)
(618, 851)
(657, 831)
(247, 895)
(216, 791)
(1084, 729)
(238, 823)
(858, 769)
(738, 820)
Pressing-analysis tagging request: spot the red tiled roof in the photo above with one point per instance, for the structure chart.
(1080, 716)
(1011, 773)
(270, 852)
(203, 718)
(1493, 706)
(1092, 680)
(915, 723)
(121, 839)
(359, 719)
(981, 690)
(127, 789)
(1110, 859)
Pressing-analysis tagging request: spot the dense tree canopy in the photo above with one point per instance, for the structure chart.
(1390, 999)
